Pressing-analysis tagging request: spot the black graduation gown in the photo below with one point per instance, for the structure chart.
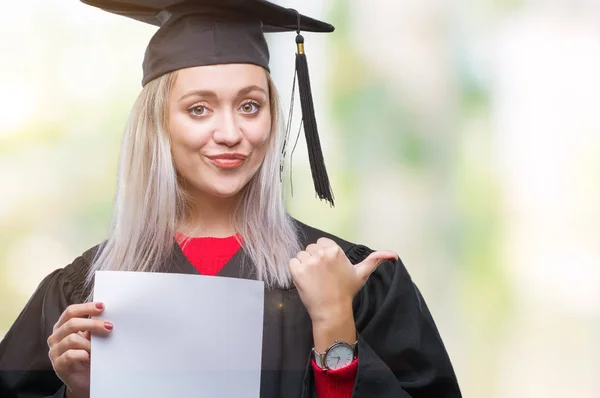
(400, 352)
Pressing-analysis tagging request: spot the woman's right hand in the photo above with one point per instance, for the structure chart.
(70, 346)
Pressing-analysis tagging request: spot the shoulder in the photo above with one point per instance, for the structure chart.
(354, 251)
(390, 278)
(59, 289)
(74, 276)
(82, 263)
(388, 272)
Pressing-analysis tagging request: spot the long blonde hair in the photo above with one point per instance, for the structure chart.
(150, 202)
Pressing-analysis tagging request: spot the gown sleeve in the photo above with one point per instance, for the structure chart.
(25, 368)
(400, 352)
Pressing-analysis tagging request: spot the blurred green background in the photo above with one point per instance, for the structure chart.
(463, 135)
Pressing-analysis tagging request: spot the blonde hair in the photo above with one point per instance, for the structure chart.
(151, 203)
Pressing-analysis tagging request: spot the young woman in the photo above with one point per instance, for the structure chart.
(199, 192)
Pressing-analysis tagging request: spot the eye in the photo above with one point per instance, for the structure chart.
(198, 110)
(250, 107)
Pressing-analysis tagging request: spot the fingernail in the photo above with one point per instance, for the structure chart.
(108, 325)
(99, 306)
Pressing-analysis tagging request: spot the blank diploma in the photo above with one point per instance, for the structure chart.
(177, 335)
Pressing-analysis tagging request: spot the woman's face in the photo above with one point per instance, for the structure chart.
(219, 123)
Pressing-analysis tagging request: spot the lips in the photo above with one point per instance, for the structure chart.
(229, 156)
(228, 160)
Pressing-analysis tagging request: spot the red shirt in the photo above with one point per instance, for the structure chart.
(209, 255)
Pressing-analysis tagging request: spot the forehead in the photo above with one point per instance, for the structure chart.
(222, 79)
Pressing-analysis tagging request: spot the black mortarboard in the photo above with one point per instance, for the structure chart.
(210, 32)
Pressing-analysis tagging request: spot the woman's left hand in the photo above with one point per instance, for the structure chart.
(326, 279)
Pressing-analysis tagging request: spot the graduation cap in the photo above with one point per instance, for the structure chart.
(211, 32)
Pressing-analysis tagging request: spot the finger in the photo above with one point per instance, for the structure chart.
(370, 264)
(72, 342)
(303, 256)
(85, 334)
(63, 362)
(314, 249)
(326, 242)
(294, 265)
(79, 310)
(75, 325)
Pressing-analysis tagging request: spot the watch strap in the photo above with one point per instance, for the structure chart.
(319, 359)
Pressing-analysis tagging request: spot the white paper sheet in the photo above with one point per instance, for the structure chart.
(178, 336)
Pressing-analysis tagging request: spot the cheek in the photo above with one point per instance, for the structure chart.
(187, 140)
(187, 134)
(258, 133)
(259, 142)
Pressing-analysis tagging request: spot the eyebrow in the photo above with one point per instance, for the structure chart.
(212, 94)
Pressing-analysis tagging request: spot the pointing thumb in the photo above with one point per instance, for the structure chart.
(370, 264)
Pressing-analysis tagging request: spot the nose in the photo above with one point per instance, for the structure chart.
(227, 131)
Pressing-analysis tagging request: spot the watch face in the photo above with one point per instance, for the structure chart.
(339, 356)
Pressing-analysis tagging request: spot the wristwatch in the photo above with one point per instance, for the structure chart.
(337, 356)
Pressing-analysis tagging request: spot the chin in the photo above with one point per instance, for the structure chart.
(219, 187)
(227, 191)
(226, 194)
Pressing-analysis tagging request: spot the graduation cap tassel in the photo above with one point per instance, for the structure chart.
(315, 154)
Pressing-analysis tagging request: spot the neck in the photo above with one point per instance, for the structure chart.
(210, 216)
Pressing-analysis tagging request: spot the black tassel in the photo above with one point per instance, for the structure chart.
(315, 154)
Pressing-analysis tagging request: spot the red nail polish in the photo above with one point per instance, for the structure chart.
(108, 325)
(99, 306)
